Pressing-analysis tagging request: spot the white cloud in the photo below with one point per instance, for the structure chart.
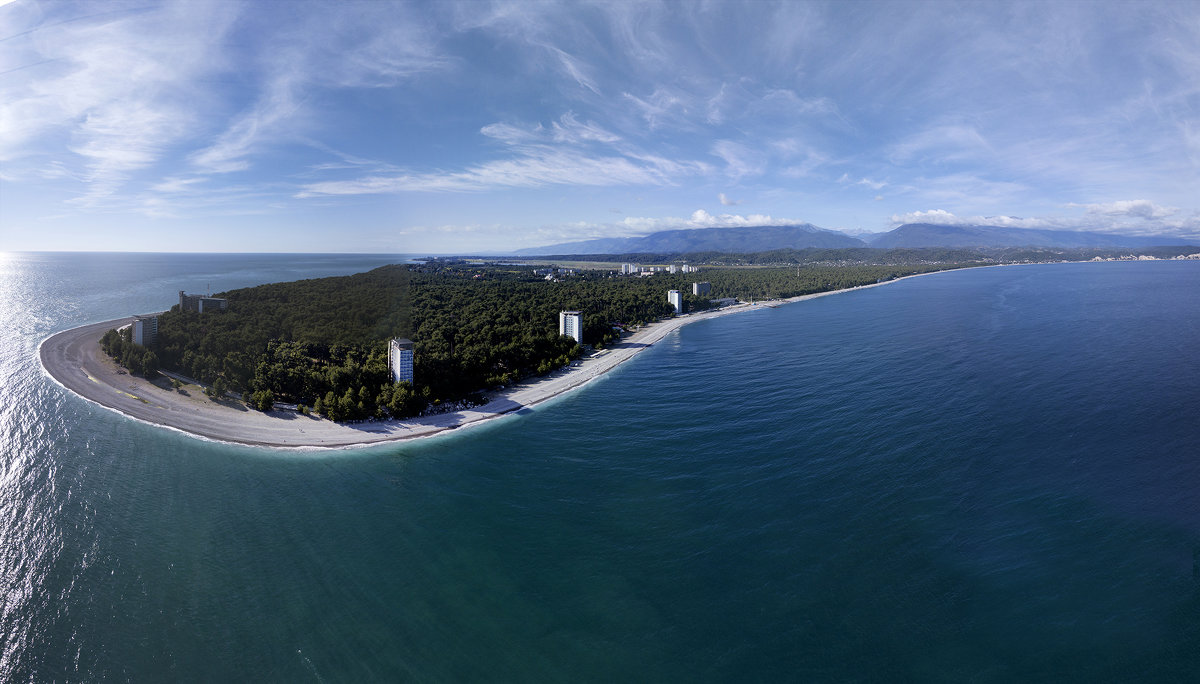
(663, 107)
(1133, 208)
(575, 69)
(740, 160)
(746, 100)
(642, 225)
(935, 216)
(966, 190)
(785, 102)
(175, 185)
(113, 89)
(568, 129)
(229, 153)
(532, 167)
(1126, 217)
(715, 107)
(568, 152)
(702, 219)
(945, 218)
(150, 108)
(364, 46)
(873, 184)
(948, 143)
(512, 135)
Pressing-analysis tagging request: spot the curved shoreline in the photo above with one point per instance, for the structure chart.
(74, 360)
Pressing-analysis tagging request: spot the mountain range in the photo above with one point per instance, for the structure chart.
(803, 236)
(744, 239)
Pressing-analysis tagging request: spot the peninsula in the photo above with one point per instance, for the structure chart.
(74, 359)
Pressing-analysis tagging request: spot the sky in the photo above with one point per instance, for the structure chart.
(475, 127)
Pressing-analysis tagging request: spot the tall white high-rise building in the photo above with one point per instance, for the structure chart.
(672, 269)
(570, 323)
(145, 330)
(676, 300)
(400, 359)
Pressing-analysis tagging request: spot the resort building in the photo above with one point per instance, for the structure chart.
(628, 269)
(701, 288)
(570, 323)
(201, 303)
(672, 269)
(676, 300)
(400, 359)
(145, 330)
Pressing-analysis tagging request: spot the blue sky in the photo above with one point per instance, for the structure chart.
(475, 127)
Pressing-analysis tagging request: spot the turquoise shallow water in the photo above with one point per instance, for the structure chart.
(986, 475)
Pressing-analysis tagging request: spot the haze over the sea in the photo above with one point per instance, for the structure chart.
(470, 127)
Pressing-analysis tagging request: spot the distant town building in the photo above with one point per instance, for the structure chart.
(201, 303)
(628, 269)
(570, 323)
(145, 330)
(400, 359)
(701, 288)
(676, 300)
(689, 269)
(672, 269)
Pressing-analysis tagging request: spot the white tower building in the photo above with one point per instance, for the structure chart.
(145, 330)
(570, 323)
(400, 359)
(676, 300)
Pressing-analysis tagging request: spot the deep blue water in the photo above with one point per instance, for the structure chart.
(985, 475)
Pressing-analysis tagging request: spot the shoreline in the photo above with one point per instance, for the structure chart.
(73, 359)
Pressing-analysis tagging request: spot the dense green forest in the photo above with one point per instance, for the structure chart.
(323, 343)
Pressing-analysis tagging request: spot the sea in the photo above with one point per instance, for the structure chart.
(986, 475)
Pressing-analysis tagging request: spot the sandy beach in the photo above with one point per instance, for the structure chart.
(73, 358)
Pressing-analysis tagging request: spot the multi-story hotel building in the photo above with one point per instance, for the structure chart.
(400, 359)
(570, 323)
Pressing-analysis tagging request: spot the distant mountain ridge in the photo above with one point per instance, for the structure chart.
(752, 239)
(742, 239)
(937, 235)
